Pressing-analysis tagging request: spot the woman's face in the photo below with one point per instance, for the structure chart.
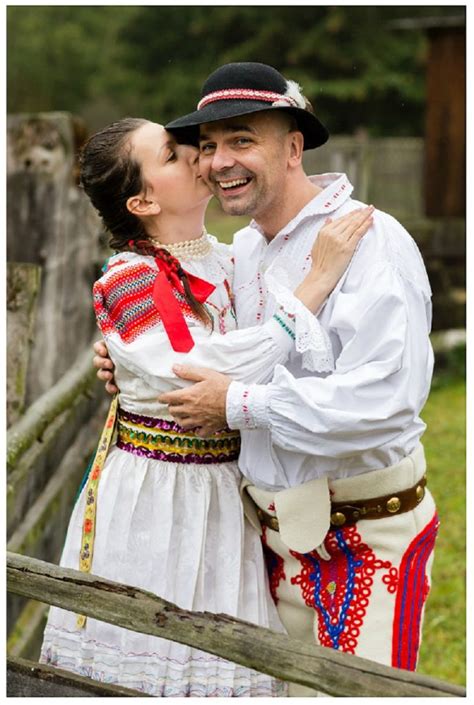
(170, 170)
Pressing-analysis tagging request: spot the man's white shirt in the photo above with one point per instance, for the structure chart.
(364, 415)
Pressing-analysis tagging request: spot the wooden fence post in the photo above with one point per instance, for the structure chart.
(23, 281)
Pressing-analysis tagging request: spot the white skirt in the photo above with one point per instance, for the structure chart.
(176, 530)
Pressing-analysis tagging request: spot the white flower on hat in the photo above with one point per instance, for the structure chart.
(293, 96)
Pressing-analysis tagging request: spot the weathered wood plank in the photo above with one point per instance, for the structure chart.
(42, 531)
(39, 463)
(325, 670)
(26, 637)
(27, 679)
(44, 523)
(77, 380)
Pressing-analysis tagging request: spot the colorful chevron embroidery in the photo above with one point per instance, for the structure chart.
(123, 301)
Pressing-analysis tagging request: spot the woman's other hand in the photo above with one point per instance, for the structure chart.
(336, 243)
(331, 253)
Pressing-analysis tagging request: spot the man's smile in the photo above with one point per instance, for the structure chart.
(233, 186)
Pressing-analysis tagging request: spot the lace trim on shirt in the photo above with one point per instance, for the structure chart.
(311, 340)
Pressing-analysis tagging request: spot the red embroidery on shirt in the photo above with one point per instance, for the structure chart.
(245, 407)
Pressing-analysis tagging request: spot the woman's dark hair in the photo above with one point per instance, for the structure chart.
(110, 176)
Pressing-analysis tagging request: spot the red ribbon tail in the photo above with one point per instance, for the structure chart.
(200, 288)
(173, 319)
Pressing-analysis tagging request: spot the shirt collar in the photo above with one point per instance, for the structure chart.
(336, 190)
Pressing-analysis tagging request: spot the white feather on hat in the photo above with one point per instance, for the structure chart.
(294, 93)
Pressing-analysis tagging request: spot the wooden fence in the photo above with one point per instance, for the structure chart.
(322, 669)
(48, 449)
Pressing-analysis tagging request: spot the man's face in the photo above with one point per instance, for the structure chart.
(244, 161)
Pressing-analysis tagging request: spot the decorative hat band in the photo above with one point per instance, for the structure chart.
(248, 94)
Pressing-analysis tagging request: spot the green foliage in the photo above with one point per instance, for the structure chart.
(107, 61)
(453, 368)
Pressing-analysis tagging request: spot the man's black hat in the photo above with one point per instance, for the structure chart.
(247, 87)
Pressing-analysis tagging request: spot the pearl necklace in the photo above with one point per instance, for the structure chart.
(188, 249)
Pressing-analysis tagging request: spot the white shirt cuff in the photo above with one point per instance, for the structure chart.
(246, 406)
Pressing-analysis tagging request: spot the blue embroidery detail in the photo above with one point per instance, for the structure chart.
(335, 630)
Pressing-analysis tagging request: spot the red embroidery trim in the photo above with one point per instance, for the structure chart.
(339, 590)
(412, 592)
(275, 566)
(245, 94)
(245, 407)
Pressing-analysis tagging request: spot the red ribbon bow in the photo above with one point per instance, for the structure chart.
(168, 306)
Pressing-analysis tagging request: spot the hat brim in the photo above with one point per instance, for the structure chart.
(186, 128)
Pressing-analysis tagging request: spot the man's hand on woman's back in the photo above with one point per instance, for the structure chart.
(105, 366)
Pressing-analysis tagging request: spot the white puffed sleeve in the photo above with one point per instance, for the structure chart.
(380, 381)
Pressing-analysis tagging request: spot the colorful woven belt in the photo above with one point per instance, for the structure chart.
(152, 438)
(165, 440)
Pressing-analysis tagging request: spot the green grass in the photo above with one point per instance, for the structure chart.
(442, 652)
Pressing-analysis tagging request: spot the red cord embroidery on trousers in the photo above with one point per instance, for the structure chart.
(275, 566)
(411, 596)
(339, 590)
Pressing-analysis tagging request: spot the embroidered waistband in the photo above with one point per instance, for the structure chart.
(165, 440)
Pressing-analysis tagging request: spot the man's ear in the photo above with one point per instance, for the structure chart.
(141, 207)
(296, 148)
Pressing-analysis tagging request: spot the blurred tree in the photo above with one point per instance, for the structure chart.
(106, 61)
(61, 57)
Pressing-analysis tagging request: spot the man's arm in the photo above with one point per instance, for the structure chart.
(204, 404)
(379, 385)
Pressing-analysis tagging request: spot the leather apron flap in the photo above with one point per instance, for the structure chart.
(303, 513)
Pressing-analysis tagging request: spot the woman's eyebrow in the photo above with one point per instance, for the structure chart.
(169, 144)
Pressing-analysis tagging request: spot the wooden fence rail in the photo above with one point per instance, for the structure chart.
(44, 410)
(331, 672)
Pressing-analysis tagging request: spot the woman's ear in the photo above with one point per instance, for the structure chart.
(139, 206)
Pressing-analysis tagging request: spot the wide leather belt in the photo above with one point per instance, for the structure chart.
(345, 513)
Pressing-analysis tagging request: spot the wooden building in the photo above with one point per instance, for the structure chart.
(445, 133)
